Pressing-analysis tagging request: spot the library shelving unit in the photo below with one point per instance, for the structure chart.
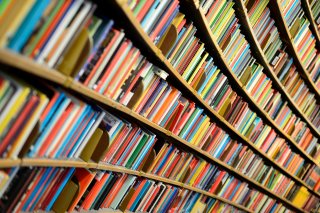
(209, 39)
(285, 33)
(52, 76)
(30, 67)
(308, 12)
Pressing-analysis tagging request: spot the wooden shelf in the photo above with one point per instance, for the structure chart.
(31, 67)
(214, 49)
(41, 162)
(245, 22)
(195, 96)
(285, 34)
(308, 13)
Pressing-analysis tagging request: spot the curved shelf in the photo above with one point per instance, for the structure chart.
(284, 31)
(308, 12)
(216, 50)
(260, 55)
(41, 162)
(195, 96)
(29, 66)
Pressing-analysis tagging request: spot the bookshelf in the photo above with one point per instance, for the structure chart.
(35, 69)
(91, 165)
(285, 33)
(140, 39)
(215, 50)
(262, 59)
(308, 12)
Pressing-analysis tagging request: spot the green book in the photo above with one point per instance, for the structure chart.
(137, 150)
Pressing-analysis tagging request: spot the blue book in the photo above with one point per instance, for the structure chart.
(66, 178)
(39, 184)
(53, 31)
(184, 132)
(192, 202)
(235, 154)
(221, 147)
(167, 116)
(234, 191)
(47, 128)
(164, 159)
(146, 18)
(142, 193)
(44, 188)
(75, 130)
(196, 129)
(209, 75)
(44, 123)
(82, 135)
(29, 23)
(167, 24)
(169, 200)
(285, 69)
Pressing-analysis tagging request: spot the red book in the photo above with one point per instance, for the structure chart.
(150, 201)
(177, 116)
(84, 178)
(144, 10)
(101, 59)
(184, 118)
(51, 28)
(203, 141)
(201, 174)
(111, 66)
(124, 145)
(19, 123)
(163, 20)
(217, 182)
(55, 130)
(267, 142)
(137, 191)
(172, 166)
(94, 192)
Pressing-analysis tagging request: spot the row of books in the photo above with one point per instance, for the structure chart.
(303, 39)
(192, 65)
(282, 63)
(63, 189)
(129, 146)
(75, 190)
(315, 9)
(144, 89)
(257, 79)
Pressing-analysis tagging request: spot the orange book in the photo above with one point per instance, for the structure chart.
(101, 59)
(94, 192)
(165, 106)
(137, 191)
(84, 178)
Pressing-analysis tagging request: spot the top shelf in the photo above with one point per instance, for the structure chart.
(215, 50)
(284, 31)
(245, 23)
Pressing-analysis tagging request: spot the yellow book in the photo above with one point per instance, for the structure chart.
(263, 136)
(237, 50)
(196, 70)
(191, 64)
(15, 108)
(258, 12)
(223, 17)
(219, 7)
(12, 19)
(202, 129)
(20, 140)
(4, 177)
(176, 22)
(301, 197)
(208, 86)
(198, 207)
(252, 118)
(183, 169)
(223, 23)
(196, 174)
(164, 147)
(136, 105)
(180, 42)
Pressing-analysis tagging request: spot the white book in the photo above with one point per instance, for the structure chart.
(59, 30)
